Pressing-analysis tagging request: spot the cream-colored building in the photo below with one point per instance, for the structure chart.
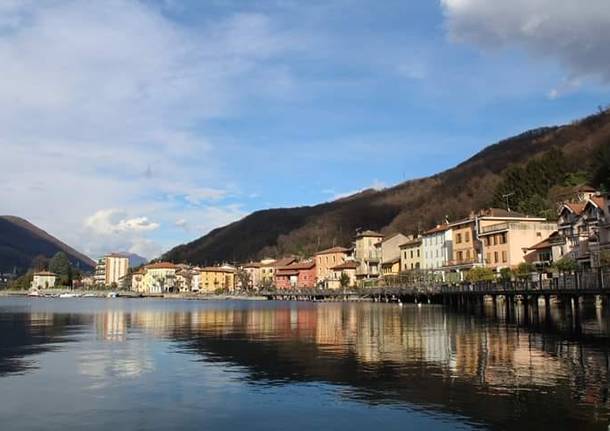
(115, 267)
(367, 254)
(348, 268)
(43, 280)
(506, 244)
(389, 251)
(411, 255)
(137, 280)
(476, 242)
(184, 278)
(253, 269)
(159, 278)
(326, 260)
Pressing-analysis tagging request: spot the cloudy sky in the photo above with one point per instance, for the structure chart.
(137, 125)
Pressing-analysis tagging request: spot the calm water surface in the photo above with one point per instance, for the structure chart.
(71, 364)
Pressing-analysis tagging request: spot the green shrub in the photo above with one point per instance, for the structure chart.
(480, 274)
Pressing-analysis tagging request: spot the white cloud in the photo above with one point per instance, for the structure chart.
(114, 230)
(102, 106)
(375, 185)
(113, 221)
(577, 34)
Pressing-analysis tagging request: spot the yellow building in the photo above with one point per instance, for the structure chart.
(215, 278)
(411, 255)
(391, 267)
(269, 266)
(326, 260)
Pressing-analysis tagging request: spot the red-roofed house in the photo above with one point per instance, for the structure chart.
(300, 275)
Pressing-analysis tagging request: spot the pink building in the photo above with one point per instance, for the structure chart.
(300, 275)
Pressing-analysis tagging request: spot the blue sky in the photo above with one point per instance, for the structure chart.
(139, 125)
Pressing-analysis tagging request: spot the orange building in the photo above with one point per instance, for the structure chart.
(326, 260)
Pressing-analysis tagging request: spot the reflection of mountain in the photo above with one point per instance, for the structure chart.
(27, 334)
(424, 357)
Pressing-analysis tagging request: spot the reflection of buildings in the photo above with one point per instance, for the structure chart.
(111, 325)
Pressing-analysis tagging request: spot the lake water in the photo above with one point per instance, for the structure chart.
(72, 364)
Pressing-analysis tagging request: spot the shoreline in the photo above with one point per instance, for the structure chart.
(55, 293)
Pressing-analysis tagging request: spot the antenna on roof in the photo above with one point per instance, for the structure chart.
(506, 197)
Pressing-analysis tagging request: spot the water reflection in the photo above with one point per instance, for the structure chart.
(495, 369)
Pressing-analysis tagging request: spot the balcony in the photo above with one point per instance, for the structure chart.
(462, 262)
(500, 227)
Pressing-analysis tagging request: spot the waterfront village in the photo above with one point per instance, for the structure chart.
(489, 243)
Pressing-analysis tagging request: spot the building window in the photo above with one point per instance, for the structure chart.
(467, 237)
(488, 258)
(495, 257)
(458, 238)
(495, 240)
(504, 257)
(417, 252)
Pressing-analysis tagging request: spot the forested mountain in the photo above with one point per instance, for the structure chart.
(21, 242)
(528, 167)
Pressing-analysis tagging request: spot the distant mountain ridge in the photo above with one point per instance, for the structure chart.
(21, 242)
(407, 207)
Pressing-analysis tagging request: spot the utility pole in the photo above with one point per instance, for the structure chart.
(507, 197)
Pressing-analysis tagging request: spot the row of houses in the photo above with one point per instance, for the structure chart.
(166, 277)
(493, 238)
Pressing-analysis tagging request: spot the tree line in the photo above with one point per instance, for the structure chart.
(59, 264)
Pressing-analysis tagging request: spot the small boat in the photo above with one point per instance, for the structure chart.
(112, 295)
(33, 293)
(68, 295)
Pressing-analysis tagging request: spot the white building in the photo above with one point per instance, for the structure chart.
(437, 247)
(43, 280)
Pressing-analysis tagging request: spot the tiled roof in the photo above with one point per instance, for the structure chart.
(412, 243)
(350, 264)
(46, 274)
(545, 243)
(161, 265)
(576, 208)
(298, 266)
(437, 229)
(217, 269)
(333, 250)
(284, 261)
